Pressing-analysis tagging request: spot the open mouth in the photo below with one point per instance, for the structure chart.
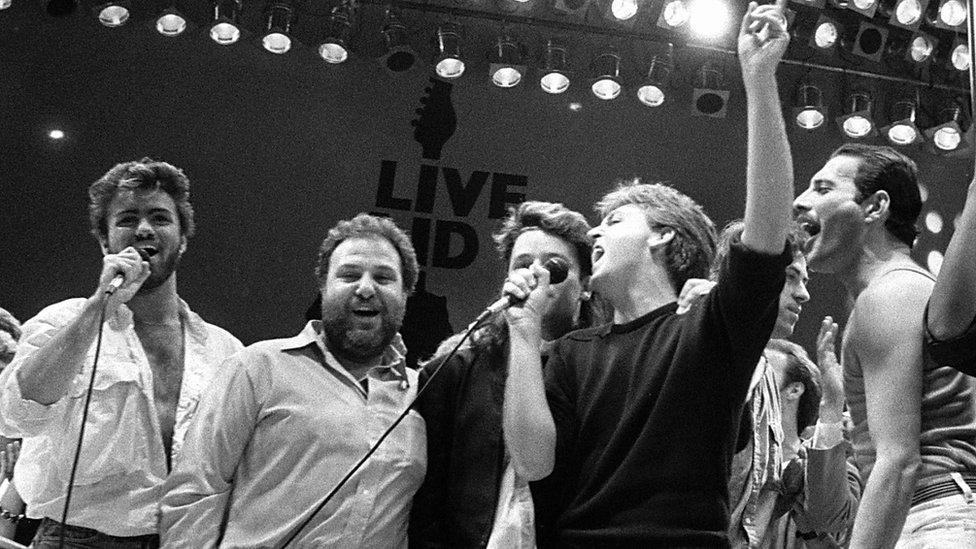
(809, 226)
(597, 254)
(146, 252)
(366, 313)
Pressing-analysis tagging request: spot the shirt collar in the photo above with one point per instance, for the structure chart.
(394, 356)
(195, 326)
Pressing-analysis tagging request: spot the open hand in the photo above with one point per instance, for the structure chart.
(830, 371)
(763, 38)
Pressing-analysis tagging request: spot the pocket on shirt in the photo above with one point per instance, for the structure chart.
(406, 447)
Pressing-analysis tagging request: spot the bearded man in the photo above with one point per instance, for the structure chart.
(288, 418)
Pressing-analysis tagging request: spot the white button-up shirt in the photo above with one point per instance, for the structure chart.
(120, 475)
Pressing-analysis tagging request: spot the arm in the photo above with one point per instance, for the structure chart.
(198, 491)
(886, 336)
(952, 306)
(44, 376)
(769, 169)
(530, 432)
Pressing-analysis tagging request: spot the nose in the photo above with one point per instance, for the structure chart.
(365, 288)
(594, 232)
(800, 293)
(144, 227)
(801, 204)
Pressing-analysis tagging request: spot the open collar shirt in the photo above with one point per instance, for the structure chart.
(122, 466)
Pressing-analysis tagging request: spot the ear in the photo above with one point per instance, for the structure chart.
(793, 391)
(103, 243)
(876, 207)
(586, 294)
(660, 237)
(182, 243)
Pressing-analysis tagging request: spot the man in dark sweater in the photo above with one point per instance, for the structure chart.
(636, 420)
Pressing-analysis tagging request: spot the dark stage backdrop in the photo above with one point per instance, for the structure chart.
(278, 148)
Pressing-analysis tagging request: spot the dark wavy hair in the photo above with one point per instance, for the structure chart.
(146, 174)
(690, 252)
(799, 368)
(795, 238)
(370, 226)
(885, 169)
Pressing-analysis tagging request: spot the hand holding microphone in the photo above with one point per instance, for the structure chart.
(130, 268)
(522, 282)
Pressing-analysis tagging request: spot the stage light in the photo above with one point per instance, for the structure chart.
(947, 135)
(606, 76)
(277, 38)
(623, 9)
(959, 58)
(921, 47)
(709, 19)
(113, 14)
(55, 134)
(61, 8)
(809, 111)
(907, 14)
(674, 14)
(554, 74)
(225, 29)
(856, 121)
(400, 55)
(934, 260)
(902, 129)
(506, 67)
(867, 8)
(334, 49)
(870, 41)
(4, 4)
(825, 33)
(934, 222)
(171, 22)
(448, 63)
(652, 91)
(952, 13)
(709, 97)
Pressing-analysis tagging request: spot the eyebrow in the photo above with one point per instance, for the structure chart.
(152, 211)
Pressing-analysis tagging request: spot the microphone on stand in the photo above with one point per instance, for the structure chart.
(558, 271)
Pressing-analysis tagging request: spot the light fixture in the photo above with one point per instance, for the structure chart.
(959, 55)
(934, 222)
(554, 69)
(113, 14)
(448, 63)
(856, 121)
(505, 67)
(4, 4)
(400, 55)
(709, 19)
(870, 41)
(809, 111)
(652, 91)
(825, 33)
(867, 8)
(951, 14)
(902, 129)
(947, 135)
(606, 75)
(278, 21)
(709, 97)
(623, 10)
(225, 29)
(674, 14)
(907, 14)
(921, 47)
(334, 49)
(171, 22)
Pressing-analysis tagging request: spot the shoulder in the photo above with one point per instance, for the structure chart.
(60, 312)
(894, 298)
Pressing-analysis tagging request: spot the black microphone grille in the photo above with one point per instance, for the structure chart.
(558, 269)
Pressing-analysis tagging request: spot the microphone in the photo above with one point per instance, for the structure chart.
(119, 278)
(558, 271)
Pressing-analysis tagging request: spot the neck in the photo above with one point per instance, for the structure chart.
(641, 293)
(880, 253)
(161, 305)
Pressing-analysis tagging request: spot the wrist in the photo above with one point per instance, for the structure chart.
(831, 412)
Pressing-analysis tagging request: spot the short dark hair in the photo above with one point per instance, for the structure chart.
(690, 252)
(799, 368)
(552, 218)
(9, 324)
(370, 226)
(145, 174)
(882, 168)
(795, 238)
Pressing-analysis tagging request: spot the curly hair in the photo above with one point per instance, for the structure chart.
(689, 253)
(9, 324)
(882, 168)
(146, 174)
(552, 218)
(799, 368)
(795, 239)
(370, 226)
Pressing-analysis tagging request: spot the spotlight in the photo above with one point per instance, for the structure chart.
(623, 10)
(448, 63)
(709, 19)
(400, 55)
(809, 111)
(674, 14)
(4, 4)
(334, 48)
(959, 56)
(825, 33)
(554, 74)
(279, 17)
(902, 129)
(907, 14)
(870, 41)
(952, 13)
(61, 8)
(947, 135)
(856, 121)
(606, 75)
(113, 14)
(171, 22)
(505, 68)
(225, 29)
(709, 98)
(867, 8)
(651, 92)
(921, 47)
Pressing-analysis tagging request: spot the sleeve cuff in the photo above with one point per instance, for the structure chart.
(827, 435)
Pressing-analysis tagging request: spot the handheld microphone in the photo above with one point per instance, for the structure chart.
(558, 271)
(119, 277)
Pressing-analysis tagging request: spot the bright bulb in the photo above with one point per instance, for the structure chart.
(675, 13)
(4, 4)
(651, 95)
(960, 57)
(864, 4)
(953, 13)
(113, 16)
(933, 222)
(225, 33)
(606, 88)
(708, 18)
(857, 126)
(450, 67)
(623, 9)
(56, 134)
(170, 24)
(921, 49)
(935, 262)
(947, 138)
(826, 35)
(276, 42)
(809, 119)
(908, 12)
(333, 53)
(902, 134)
(506, 77)
(554, 82)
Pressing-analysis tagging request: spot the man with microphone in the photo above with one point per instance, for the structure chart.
(154, 357)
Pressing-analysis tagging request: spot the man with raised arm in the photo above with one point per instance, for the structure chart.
(636, 420)
(155, 359)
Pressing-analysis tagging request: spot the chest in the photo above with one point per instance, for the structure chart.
(165, 350)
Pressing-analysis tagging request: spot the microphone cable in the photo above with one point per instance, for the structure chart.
(297, 530)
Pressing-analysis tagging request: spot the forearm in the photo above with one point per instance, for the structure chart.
(530, 433)
(885, 503)
(952, 306)
(769, 168)
(45, 376)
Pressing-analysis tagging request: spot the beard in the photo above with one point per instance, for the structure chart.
(157, 276)
(348, 340)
